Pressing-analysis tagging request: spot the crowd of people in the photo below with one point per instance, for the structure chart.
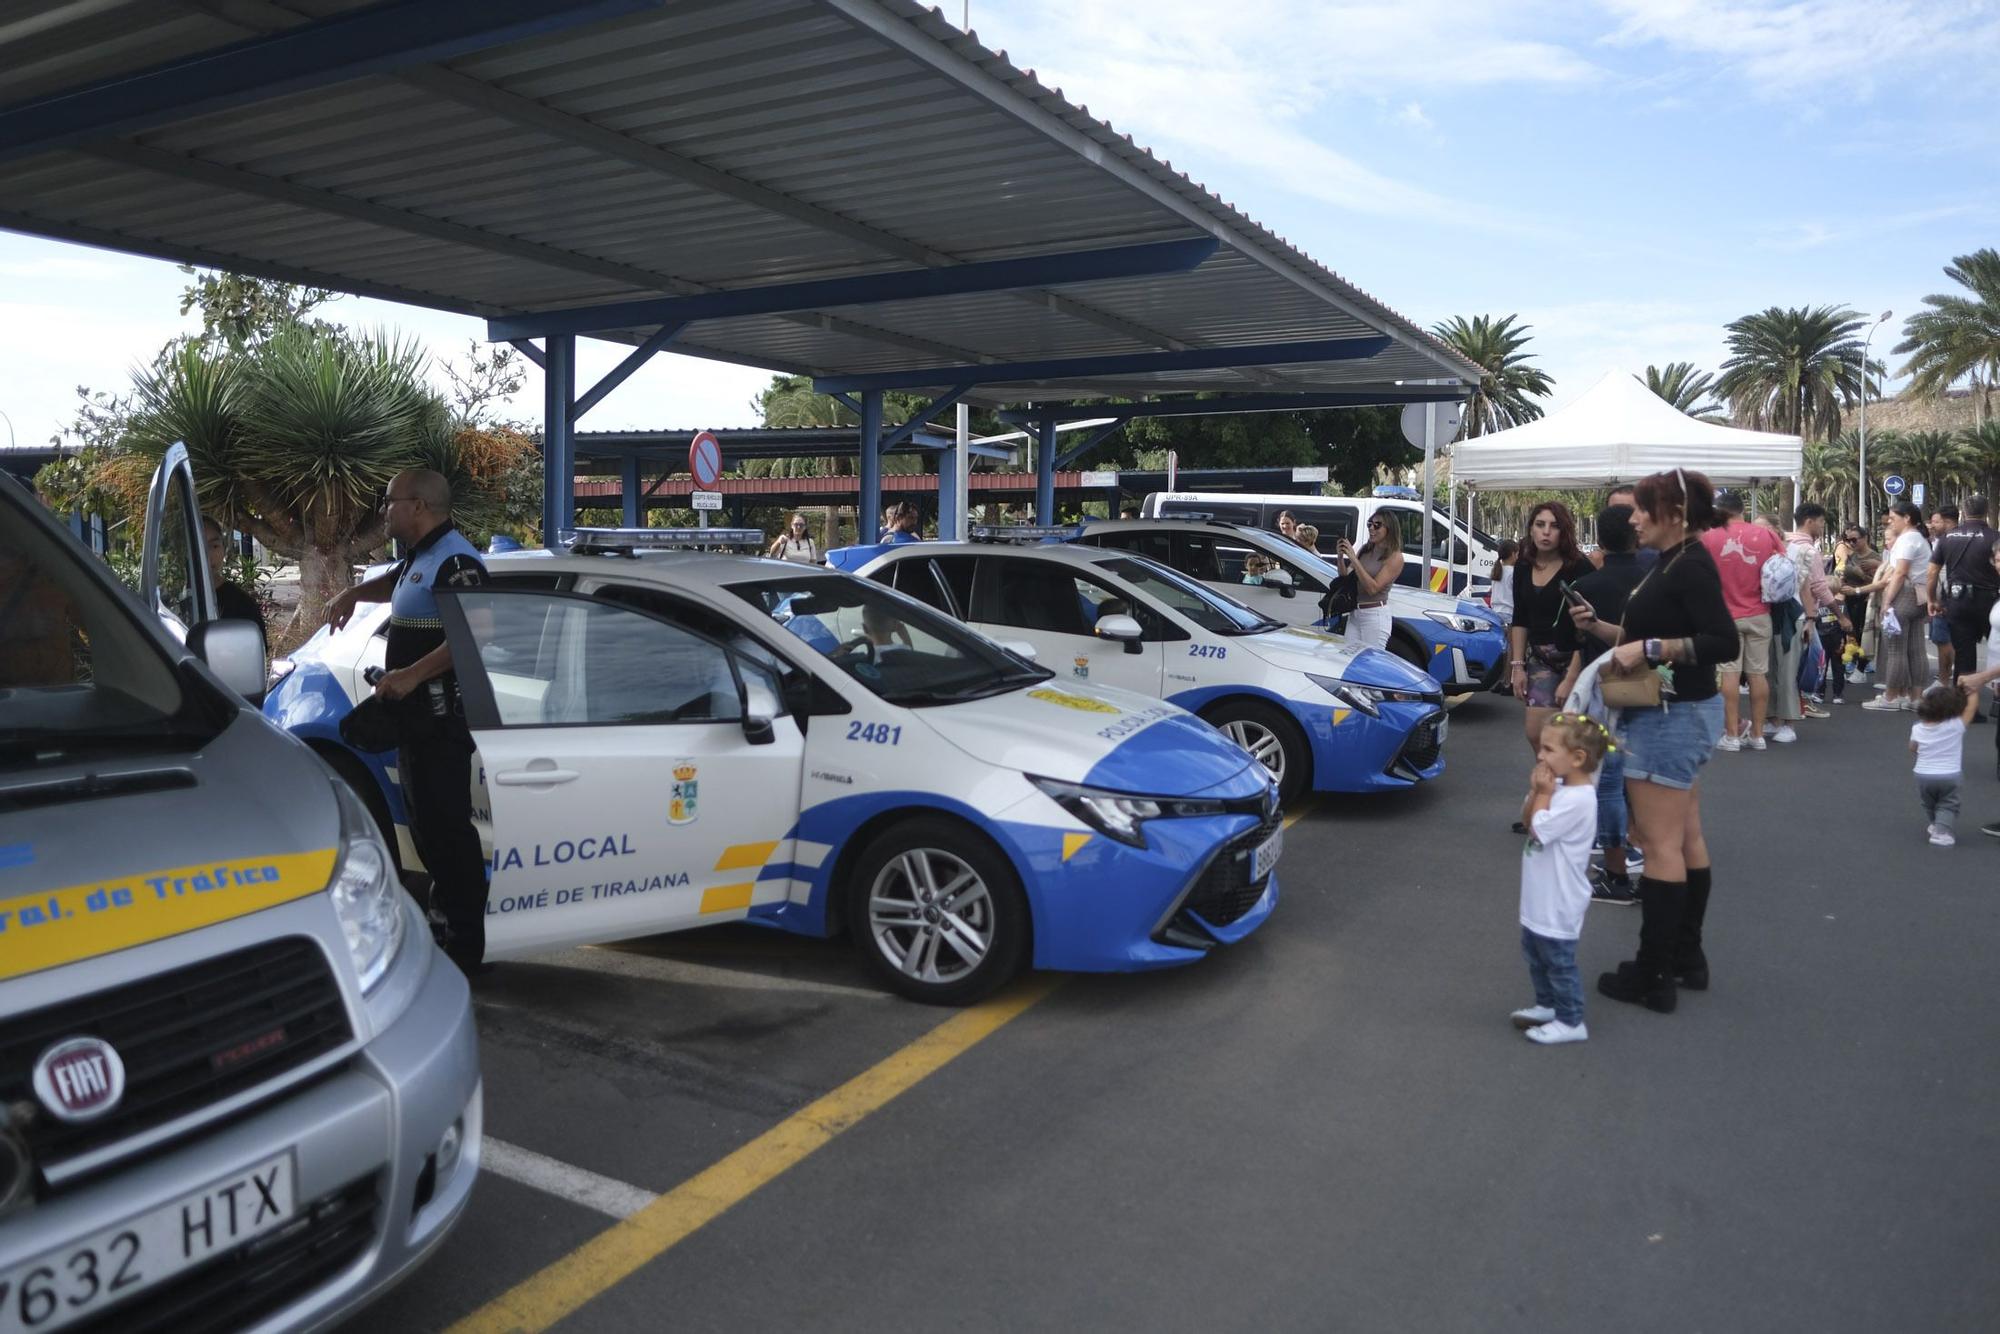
(1689, 631)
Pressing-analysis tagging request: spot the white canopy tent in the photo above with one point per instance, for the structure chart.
(1620, 431)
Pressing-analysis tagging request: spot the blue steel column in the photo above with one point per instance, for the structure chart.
(558, 446)
(947, 509)
(1045, 472)
(629, 469)
(870, 508)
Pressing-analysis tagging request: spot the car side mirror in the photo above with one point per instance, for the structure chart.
(759, 731)
(234, 651)
(1122, 628)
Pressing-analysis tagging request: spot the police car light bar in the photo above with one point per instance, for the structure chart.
(1024, 534)
(625, 541)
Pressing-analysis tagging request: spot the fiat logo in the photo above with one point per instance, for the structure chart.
(79, 1079)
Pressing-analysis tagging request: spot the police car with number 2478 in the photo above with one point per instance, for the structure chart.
(674, 738)
(1319, 713)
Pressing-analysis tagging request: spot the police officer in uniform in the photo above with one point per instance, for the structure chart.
(434, 754)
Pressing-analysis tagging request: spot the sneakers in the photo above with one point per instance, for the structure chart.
(1616, 889)
(1755, 743)
(1635, 862)
(1812, 710)
(1836, 700)
(1729, 743)
(1942, 838)
(1533, 1016)
(1883, 704)
(1784, 735)
(1555, 1030)
(1991, 830)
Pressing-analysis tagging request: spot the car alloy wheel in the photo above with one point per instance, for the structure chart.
(1262, 743)
(931, 916)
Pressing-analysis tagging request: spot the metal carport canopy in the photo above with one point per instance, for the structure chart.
(506, 159)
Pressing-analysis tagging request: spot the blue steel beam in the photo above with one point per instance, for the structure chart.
(1129, 363)
(868, 512)
(531, 351)
(558, 444)
(924, 418)
(1045, 473)
(622, 372)
(376, 40)
(1230, 406)
(1090, 442)
(848, 401)
(998, 275)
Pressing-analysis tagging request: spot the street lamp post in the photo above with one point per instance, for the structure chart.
(1861, 470)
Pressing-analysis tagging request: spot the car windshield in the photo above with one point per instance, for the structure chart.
(894, 646)
(1176, 592)
(77, 673)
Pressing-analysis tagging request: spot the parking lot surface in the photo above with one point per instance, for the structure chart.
(1332, 1125)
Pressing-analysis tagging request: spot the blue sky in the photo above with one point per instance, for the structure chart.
(1628, 175)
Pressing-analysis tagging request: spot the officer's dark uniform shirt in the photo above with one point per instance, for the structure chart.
(442, 559)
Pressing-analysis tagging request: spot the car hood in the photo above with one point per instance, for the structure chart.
(246, 821)
(1105, 737)
(1301, 650)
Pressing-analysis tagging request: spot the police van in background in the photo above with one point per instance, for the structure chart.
(1469, 553)
(239, 1086)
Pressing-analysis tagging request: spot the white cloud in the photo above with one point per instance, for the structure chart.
(1413, 115)
(1577, 342)
(1812, 234)
(1255, 91)
(1839, 48)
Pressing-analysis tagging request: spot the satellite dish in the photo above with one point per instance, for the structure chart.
(1450, 416)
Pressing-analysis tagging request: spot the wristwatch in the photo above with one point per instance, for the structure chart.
(1656, 653)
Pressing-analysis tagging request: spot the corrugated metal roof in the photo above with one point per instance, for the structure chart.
(701, 145)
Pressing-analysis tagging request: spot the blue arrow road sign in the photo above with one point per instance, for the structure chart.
(1893, 484)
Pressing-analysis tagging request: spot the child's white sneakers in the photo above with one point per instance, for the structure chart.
(1533, 1016)
(1555, 1030)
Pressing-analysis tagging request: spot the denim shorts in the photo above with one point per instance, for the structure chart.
(1940, 631)
(1669, 745)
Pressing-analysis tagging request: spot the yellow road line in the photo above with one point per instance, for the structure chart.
(613, 1255)
(1295, 816)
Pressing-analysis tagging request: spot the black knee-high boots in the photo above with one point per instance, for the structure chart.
(1649, 979)
(1690, 964)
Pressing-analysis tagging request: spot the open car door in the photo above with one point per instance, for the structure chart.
(639, 774)
(178, 587)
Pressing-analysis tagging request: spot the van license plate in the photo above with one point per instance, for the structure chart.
(79, 1280)
(1265, 859)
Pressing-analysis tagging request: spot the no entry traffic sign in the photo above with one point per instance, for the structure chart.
(705, 460)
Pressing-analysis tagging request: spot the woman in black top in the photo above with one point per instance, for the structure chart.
(1541, 638)
(1677, 619)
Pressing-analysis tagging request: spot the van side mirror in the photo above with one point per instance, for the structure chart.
(1120, 627)
(759, 731)
(234, 651)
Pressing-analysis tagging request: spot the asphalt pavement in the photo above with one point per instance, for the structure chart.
(1331, 1126)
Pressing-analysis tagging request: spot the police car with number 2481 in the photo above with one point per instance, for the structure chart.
(674, 738)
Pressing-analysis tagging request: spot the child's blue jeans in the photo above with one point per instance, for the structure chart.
(1552, 968)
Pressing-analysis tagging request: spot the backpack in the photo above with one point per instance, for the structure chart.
(1779, 578)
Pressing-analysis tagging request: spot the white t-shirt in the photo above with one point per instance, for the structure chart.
(1911, 547)
(1555, 879)
(1993, 636)
(1940, 747)
(1503, 595)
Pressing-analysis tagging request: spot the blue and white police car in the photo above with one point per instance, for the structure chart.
(1319, 714)
(673, 738)
(1459, 642)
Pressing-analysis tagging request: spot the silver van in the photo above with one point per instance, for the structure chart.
(239, 1086)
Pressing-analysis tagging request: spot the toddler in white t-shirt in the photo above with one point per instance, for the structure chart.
(1937, 739)
(1561, 816)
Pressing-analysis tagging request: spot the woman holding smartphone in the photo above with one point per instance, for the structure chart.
(1376, 568)
(1541, 638)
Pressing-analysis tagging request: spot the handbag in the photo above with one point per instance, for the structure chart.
(1343, 596)
(1641, 690)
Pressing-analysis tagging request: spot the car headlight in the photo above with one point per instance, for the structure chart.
(367, 897)
(1368, 699)
(1120, 815)
(1465, 625)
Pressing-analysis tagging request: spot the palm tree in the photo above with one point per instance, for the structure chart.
(1680, 384)
(1982, 443)
(1959, 336)
(1794, 370)
(1501, 398)
(1935, 458)
(294, 440)
(1831, 471)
